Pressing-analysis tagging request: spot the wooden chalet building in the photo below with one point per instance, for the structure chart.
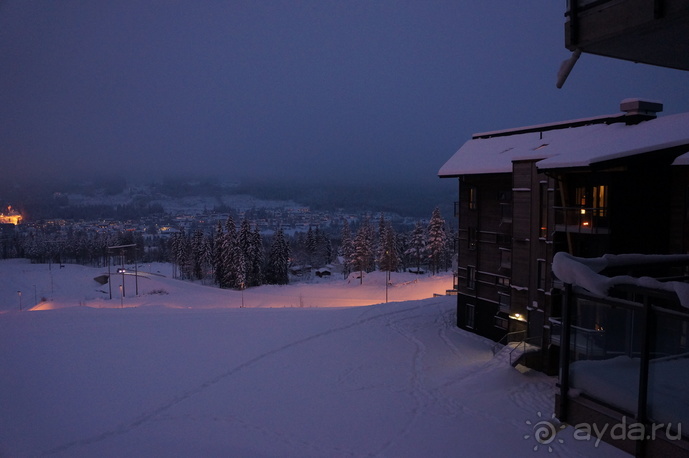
(603, 185)
(604, 202)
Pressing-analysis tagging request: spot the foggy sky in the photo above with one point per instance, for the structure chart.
(299, 90)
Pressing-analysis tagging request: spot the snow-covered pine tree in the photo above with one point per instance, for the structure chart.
(380, 237)
(363, 248)
(239, 267)
(244, 241)
(229, 256)
(197, 242)
(207, 252)
(218, 264)
(324, 248)
(310, 246)
(278, 260)
(347, 249)
(388, 255)
(437, 240)
(178, 251)
(417, 245)
(256, 254)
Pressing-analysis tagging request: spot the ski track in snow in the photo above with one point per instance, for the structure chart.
(125, 428)
(421, 396)
(284, 438)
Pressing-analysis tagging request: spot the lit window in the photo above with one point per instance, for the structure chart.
(473, 199)
(472, 238)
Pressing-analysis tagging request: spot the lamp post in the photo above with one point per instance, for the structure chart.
(121, 270)
(19, 293)
(387, 277)
(121, 297)
(136, 271)
(109, 277)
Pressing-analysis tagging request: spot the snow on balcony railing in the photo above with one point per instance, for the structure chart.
(585, 273)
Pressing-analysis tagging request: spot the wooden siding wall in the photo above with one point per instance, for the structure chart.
(485, 219)
(484, 255)
(532, 249)
(679, 207)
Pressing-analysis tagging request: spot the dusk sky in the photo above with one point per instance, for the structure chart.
(321, 90)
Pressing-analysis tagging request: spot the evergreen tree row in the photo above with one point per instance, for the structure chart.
(234, 257)
(237, 257)
(82, 247)
(428, 246)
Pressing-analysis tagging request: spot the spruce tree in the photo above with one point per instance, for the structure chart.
(363, 248)
(310, 246)
(197, 248)
(417, 245)
(257, 258)
(278, 260)
(229, 255)
(437, 240)
(244, 246)
(347, 248)
(388, 258)
(218, 265)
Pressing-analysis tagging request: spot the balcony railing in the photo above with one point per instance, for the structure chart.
(583, 220)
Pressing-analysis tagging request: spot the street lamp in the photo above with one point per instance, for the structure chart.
(121, 297)
(19, 293)
(121, 270)
(387, 280)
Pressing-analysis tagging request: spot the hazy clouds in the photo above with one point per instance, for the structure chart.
(298, 90)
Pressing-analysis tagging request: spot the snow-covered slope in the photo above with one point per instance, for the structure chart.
(185, 376)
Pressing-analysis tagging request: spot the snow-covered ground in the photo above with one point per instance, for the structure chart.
(309, 369)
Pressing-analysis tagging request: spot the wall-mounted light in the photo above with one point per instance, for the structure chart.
(518, 317)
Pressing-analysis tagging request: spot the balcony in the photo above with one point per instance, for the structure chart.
(582, 220)
(647, 31)
(624, 350)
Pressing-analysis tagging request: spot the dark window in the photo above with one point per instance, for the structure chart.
(471, 277)
(541, 274)
(471, 315)
(504, 301)
(505, 259)
(501, 322)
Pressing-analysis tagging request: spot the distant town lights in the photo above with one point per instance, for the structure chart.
(12, 217)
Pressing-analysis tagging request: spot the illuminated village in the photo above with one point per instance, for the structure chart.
(11, 217)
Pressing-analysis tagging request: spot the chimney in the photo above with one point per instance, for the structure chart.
(638, 110)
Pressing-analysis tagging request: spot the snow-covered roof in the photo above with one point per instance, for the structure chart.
(579, 146)
(682, 160)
